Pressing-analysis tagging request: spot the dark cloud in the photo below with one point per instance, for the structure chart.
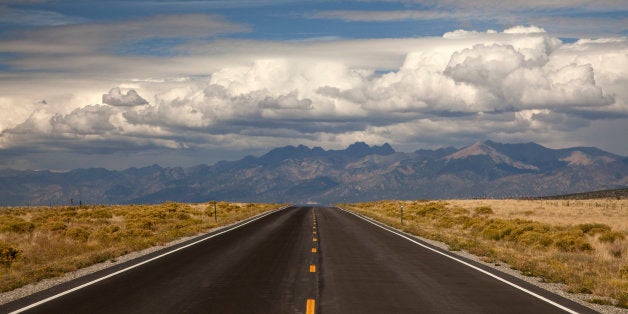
(116, 98)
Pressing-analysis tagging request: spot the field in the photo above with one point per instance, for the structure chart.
(579, 243)
(45, 242)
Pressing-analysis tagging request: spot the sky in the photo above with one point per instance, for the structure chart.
(120, 84)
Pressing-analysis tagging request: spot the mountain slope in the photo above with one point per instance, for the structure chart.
(358, 173)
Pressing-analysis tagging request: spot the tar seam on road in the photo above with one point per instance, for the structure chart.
(58, 295)
(466, 264)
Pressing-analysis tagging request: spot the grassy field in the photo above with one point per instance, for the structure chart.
(580, 243)
(44, 242)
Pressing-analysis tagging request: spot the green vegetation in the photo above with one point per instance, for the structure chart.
(44, 242)
(588, 258)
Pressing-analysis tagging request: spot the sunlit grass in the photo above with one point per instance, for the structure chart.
(44, 242)
(580, 244)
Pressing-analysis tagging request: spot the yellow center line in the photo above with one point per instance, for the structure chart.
(309, 306)
(314, 239)
(313, 250)
(312, 268)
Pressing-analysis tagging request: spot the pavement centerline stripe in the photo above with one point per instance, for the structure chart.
(312, 268)
(309, 306)
(313, 250)
(315, 240)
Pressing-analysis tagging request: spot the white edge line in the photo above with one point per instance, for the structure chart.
(467, 264)
(58, 295)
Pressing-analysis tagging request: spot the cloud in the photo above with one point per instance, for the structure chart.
(116, 98)
(383, 16)
(520, 84)
(560, 18)
(94, 37)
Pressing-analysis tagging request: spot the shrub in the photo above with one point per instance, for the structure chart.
(611, 236)
(594, 228)
(572, 241)
(483, 210)
(429, 209)
(55, 226)
(8, 254)
(535, 239)
(16, 224)
(497, 229)
(101, 213)
(78, 233)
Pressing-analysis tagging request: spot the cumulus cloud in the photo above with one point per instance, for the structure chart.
(116, 98)
(513, 73)
(520, 84)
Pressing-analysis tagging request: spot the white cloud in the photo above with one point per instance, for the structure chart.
(521, 84)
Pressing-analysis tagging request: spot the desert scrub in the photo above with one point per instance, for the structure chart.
(8, 254)
(585, 255)
(44, 242)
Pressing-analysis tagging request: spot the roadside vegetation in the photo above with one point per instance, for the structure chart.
(582, 244)
(45, 242)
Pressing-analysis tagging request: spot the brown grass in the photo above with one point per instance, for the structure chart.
(44, 242)
(582, 244)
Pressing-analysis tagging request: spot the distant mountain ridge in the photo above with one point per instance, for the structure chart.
(361, 172)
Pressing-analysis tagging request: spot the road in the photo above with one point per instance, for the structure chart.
(276, 263)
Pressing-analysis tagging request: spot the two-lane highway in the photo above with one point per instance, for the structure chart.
(300, 260)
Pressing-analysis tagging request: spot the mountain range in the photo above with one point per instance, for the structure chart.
(358, 173)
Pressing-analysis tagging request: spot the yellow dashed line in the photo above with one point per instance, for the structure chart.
(309, 306)
(314, 239)
(313, 250)
(312, 268)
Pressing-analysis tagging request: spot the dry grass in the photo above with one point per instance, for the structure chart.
(582, 244)
(613, 213)
(44, 242)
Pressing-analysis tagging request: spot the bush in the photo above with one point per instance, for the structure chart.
(430, 209)
(611, 236)
(535, 239)
(8, 254)
(78, 233)
(594, 228)
(16, 224)
(55, 226)
(572, 241)
(483, 210)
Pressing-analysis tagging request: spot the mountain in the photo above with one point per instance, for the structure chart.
(358, 173)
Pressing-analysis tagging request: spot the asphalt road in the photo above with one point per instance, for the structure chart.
(275, 264)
